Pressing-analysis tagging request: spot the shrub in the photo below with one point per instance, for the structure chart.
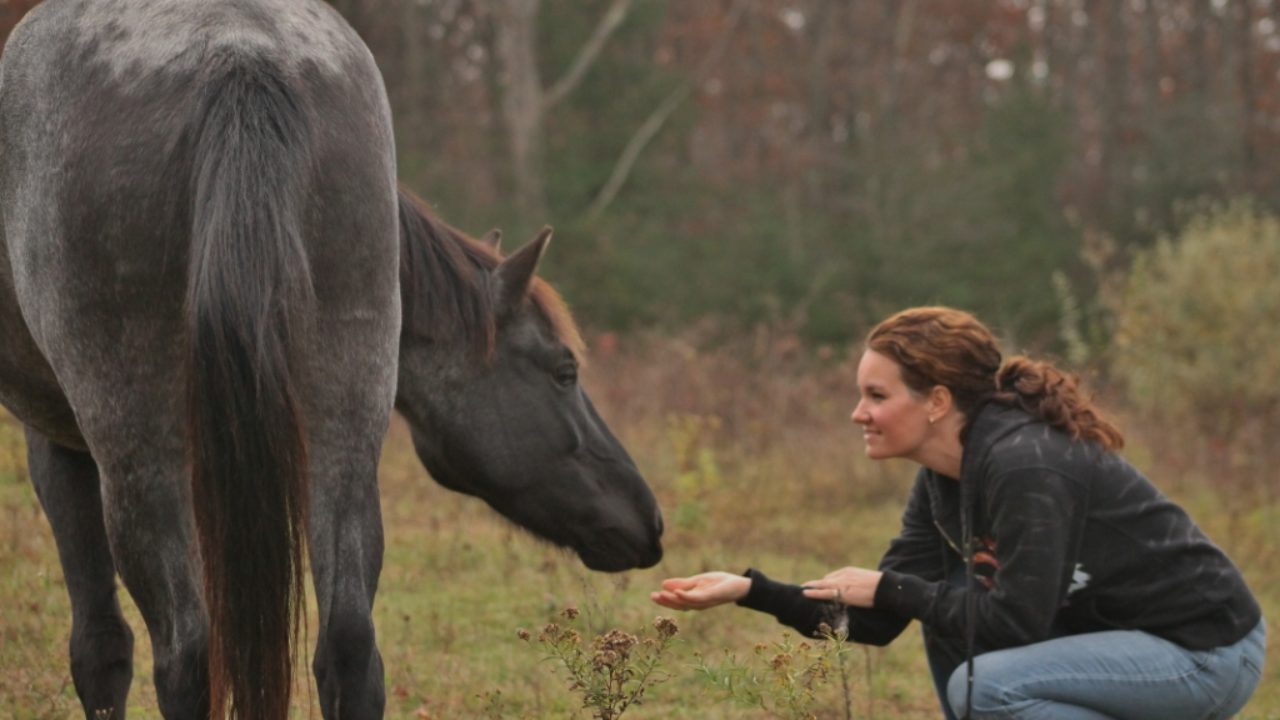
(1198, 325)
(783, 679)
(615, 670)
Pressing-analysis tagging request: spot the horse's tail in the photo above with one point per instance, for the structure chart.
(248, 267)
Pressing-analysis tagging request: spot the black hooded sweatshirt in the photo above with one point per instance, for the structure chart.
(1068, 538)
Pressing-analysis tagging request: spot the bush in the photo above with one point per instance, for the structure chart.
(615, 671)
(1198, 325)
(783, 678)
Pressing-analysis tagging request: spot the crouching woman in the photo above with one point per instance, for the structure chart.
(1051, 579)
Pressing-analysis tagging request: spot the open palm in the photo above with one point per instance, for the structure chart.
(701, 591)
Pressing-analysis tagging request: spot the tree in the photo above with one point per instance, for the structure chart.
(525, 101)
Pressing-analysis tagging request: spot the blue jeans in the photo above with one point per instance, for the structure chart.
(1100, 676)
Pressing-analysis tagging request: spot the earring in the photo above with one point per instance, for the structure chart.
(932, 419)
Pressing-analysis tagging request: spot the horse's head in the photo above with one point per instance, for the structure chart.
(489, 385)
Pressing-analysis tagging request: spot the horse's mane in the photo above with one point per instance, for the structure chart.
(444, 278)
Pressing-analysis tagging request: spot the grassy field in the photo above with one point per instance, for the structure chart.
(755, 464)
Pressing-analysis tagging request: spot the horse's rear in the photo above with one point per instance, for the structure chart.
(199, 301)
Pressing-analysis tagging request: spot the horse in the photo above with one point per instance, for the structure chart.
(213, 295)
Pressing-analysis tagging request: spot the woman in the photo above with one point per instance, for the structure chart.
(1028, 547)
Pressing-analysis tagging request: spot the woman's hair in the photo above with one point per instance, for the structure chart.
(948, 347)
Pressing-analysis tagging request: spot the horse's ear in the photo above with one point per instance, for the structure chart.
(493, 240)
(513, 275)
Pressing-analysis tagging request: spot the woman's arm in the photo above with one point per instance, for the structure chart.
(918, 551)
(815, 618)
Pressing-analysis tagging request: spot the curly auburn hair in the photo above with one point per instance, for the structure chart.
(949, 347)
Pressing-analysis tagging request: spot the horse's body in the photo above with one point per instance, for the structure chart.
(200, 268)
(200, 310)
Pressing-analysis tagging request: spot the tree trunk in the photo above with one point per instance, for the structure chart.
(522, 102)
(1115, 157)
(1248, 94)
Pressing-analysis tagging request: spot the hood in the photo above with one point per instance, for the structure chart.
(992, 423)
(953, 503)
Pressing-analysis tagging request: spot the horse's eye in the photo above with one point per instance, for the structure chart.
(567, 374)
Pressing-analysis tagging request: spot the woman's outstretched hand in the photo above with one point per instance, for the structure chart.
(703, 591)
(850, 585)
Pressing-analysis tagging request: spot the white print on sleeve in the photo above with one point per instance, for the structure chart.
(1079, 579)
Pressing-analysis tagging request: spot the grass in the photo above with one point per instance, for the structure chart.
(753, 459)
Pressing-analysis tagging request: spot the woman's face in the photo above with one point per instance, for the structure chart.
(894, 420)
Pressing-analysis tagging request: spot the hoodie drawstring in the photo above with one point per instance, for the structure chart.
(968, 498)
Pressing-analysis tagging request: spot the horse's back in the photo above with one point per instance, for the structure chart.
(134, 37)
(98, 121)
(104, 90)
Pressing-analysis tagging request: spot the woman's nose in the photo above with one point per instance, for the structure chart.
(858, 416)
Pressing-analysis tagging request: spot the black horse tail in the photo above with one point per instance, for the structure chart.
(248, 455)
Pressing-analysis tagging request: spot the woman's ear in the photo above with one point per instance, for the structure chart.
(938, 404)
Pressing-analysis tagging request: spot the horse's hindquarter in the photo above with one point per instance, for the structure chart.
(28, 386)
(351, 221)
(97, 110)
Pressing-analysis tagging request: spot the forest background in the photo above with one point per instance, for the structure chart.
(740, 188)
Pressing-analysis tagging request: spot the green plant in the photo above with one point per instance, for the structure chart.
(13, 451)
(698, 472)
(615, 670)
(783, 678)
(494, 704)
(1196, 329)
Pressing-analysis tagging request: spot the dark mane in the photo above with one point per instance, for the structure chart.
(444, 278)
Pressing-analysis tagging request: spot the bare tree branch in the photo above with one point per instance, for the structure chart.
(613, 17)
(631, 153)
(649, 129)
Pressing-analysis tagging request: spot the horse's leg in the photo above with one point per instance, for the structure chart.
(349, 407)
(66, 482)
(346, 559)
(348, 363)
(148, 519)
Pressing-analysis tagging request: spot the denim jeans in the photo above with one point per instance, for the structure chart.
(1117, 674)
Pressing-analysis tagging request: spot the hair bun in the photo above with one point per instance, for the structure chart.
(1020, 375)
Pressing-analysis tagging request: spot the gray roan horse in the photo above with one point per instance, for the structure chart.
(203, 269)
